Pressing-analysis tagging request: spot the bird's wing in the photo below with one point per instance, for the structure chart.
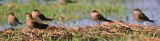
(41, 16)
(16, 20)
(35, 23)
(39, 25)
(100, 17)
(143, 16)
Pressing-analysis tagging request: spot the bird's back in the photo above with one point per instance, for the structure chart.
(143, 17)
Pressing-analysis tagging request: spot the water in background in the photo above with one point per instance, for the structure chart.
(149, 7)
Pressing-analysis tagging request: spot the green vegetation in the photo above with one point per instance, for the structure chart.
(72, 11)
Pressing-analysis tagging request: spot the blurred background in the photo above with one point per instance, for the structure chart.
(73, 13)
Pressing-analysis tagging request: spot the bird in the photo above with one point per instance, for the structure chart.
(96, 16)
(39, 17)
(31, 23)
(12, 20)
(140, 16)
(66, 1)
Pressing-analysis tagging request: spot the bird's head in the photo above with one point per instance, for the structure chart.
(11, 13)
(35, 11)
(28, 14)
(94, 11)
(137, 10)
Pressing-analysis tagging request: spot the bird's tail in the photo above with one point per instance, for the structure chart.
(108, 20)
(151, 21)
(20, 23)
(71, 1)
(49, 19)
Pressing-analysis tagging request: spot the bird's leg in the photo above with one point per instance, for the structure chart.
(139, 23)
(153, 24)
(15, 28)
(98, 23)
(12, 28)
(145, 24)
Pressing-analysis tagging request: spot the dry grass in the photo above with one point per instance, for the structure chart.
(116, 31)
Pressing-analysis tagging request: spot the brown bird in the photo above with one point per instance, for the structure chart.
(39, 17)
(65, 1)
(30, 22)
(140, 16)
(12, 20)
(96, 16)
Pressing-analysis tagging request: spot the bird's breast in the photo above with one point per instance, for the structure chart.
(94, 16)
(34, 15)
(29, 22)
